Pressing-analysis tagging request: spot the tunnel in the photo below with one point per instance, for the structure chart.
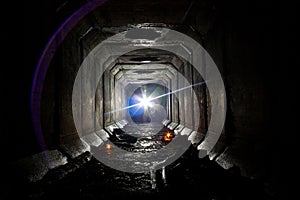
(150, 100)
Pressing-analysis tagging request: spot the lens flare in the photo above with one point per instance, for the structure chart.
(151, 98)
(146, 102)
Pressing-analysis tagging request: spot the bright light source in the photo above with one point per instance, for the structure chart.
(168, 136)
(145, 102)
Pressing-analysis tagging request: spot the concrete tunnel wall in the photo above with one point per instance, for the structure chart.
(107, 100)
(229, 44)
(163, 72)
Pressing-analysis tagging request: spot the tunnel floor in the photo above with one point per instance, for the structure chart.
(86, 178)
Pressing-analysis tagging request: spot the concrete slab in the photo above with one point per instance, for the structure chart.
(172, 125)
(186, 131)
(178, 129)
(103, 134)
(33, 168)
(195, 137)
(75, 148)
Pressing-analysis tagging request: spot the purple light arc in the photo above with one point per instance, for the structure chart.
(45, 59)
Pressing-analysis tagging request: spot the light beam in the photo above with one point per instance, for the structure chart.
(146, 102)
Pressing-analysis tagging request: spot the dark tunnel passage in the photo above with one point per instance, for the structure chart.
(151, 100)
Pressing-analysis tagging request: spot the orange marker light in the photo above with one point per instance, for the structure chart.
(168, 136)
(108, 147)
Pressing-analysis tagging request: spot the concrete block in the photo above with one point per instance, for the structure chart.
(172, 125)
(224, 160)
(195, 137)
(178, 129)
(92, 139)
(166, 122)
(186, 131)
(34, 168)
(75, 148)
(103, 134)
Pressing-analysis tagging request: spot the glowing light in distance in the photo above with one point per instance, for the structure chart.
(146, 102)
